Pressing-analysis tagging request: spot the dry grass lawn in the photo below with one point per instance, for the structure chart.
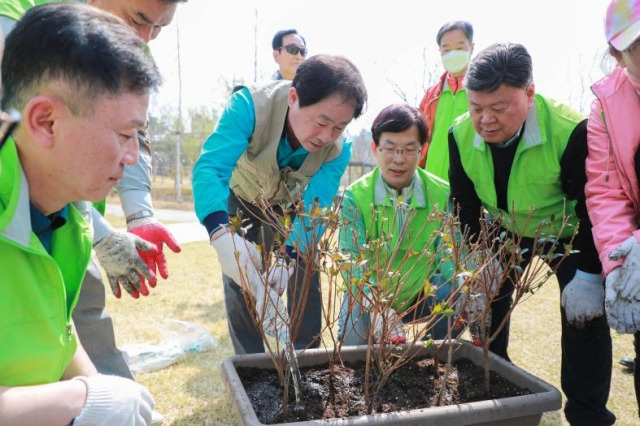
(192, 392)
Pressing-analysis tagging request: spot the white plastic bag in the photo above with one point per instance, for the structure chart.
(178, 337)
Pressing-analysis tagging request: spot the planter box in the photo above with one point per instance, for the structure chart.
(517, 411)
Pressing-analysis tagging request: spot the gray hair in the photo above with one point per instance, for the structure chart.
(500, 63)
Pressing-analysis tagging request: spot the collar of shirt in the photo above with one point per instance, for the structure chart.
(43, 226)
(512, 140)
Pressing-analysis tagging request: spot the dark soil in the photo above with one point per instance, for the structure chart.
(339, 393)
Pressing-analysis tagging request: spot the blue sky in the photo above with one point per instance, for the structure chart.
(392, 43)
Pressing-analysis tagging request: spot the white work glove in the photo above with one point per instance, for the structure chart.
(118, 255)
(627, 279)
(387, 325)
(228, 246)
(623, 315)
(279, 275)
(114, 400)
(272, 313)
(583, 298)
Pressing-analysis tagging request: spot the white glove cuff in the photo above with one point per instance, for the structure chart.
(586, 276)
(97, 406)
(143, 217)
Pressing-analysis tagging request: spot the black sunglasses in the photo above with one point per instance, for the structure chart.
(294, 49)
(8, 122)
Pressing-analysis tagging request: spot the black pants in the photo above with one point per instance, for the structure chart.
(305, 312)
(586, 354)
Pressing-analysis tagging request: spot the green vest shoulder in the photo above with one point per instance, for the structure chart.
(534, 188)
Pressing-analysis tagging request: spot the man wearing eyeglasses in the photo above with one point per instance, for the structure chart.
(289, 51)
(276, 143)
(521, 156)
(402, 204)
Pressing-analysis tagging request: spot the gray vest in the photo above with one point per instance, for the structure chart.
(257, 173)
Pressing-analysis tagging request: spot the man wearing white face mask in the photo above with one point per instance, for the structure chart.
(447, 99)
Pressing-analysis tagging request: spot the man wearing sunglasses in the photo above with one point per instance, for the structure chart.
(289, 51)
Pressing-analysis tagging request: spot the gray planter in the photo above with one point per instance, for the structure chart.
(517, 411)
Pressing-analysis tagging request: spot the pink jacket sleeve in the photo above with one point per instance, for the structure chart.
(610, 210)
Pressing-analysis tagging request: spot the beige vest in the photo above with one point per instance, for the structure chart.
(257, 172)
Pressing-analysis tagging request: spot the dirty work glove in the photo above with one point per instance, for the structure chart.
(228, 246)
(623, 314)
(153, 231)
(583, 298)
(118, 255)
(279, 275)
(113, 400)
(471, 307)
(627, 280)
(272, 313)
(387, 325)
(489, 272)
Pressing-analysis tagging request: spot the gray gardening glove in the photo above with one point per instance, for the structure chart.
(113, 400)
(623, 314)
(626, 282)
(583, 298)
(238, 255)
(387, 325)
(118, 255)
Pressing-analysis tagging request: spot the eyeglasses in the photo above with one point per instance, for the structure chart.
(8, 122)
(389, 153)
(294, 49)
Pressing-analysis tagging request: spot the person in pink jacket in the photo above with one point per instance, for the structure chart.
(613, 190)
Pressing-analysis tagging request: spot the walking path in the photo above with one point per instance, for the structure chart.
(184, 225)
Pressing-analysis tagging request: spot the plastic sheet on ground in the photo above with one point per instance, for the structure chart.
(178, 338)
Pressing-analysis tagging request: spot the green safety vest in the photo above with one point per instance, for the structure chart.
(381, 222)
(38, 290)
(534, 182)
(449, 107)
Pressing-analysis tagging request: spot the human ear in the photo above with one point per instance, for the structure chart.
(293, 96)
(38, 119)
(374, 148)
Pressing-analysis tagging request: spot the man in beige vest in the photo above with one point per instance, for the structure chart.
(276, 141)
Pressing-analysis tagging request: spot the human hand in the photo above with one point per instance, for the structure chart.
(387, 325)
(247, 264)
(118, 255)
(623, 314)
(279, 275)
(627, 279)
(156, 233)
(272, 313)
(113, 400)
(583, 298)
(471, 307)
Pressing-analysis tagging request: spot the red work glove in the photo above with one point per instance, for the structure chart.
(156, 233)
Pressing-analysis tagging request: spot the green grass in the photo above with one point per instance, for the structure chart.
(191, 392)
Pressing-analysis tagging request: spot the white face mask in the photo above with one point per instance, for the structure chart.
(456, 60)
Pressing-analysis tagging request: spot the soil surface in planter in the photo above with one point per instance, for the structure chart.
(338, 393)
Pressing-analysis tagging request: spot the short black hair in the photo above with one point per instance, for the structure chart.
(397, 118)
(276, 43)
(463, 26)
(322, 76)
(91, 51)
(500, 63)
